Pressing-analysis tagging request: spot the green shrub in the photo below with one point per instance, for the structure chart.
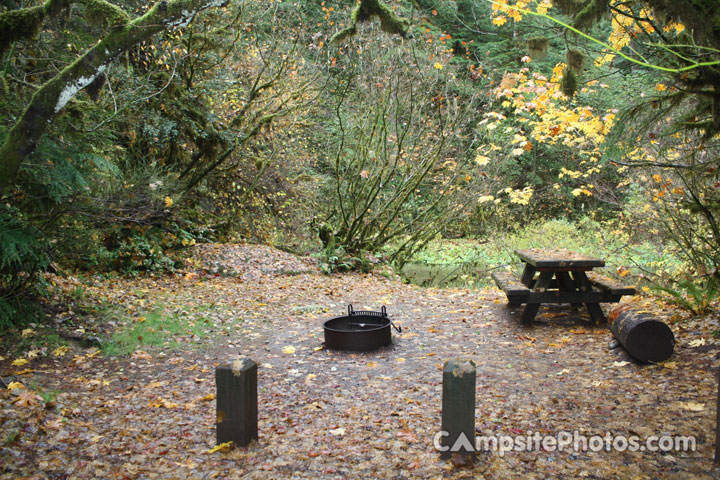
(24, 254)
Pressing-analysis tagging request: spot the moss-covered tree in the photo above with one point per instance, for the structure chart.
(52, 97)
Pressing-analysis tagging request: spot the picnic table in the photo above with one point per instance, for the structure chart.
(559, 276)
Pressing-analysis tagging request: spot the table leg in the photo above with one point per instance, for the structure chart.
(596, 313)
(531, 309)
(566, 283)
(581, 281)
(527, 276)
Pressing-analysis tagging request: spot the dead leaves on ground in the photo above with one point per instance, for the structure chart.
(326, 414)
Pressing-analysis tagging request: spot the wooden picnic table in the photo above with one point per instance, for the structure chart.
(559, 276)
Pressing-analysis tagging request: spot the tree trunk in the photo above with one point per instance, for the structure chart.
(644, 337)
(53, 95)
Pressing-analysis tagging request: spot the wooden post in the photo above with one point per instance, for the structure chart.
(717, 425)
(458, 407)
(237, 408)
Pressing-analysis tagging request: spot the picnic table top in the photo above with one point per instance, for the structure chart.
(558, 258)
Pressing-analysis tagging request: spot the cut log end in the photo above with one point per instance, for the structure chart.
(651, 341)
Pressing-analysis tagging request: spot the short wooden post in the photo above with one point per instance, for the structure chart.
(237, 408)
(717, 425)
(458, 407)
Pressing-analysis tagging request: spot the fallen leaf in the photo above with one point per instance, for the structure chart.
(162, 403)
(19, 362)
(26, 399)
(289, 350)
(60, 351)
(692, 406)
(620, 364)
(14, 385)
(338, 432)
(223, 447)
(698, 343)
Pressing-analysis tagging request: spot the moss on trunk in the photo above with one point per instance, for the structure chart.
(20, 24)
(364, 10)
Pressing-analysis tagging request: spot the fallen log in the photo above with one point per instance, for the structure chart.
(645, 338)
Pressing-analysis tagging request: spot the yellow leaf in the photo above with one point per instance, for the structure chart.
(438, 65)
(14, 385)
(657, 178)
(60, 351)
(161, 402)
(223, 447)
(28, 332)
(697, 343)
(93, 352)
(482, 160)
(168, 202)
(209, 397)
(500, 21)
(692, 406)
(289, 350)
(19, 362)
(660, 87)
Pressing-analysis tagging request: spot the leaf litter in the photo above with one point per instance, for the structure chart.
(329, 415)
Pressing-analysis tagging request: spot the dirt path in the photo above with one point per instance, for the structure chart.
(326, 414)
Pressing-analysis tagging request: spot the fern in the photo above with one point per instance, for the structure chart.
(23, 254)
(696, 298)
(58, 170)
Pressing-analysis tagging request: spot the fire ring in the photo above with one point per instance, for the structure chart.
(359, 331)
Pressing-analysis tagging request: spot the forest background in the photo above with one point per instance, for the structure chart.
(369, 134)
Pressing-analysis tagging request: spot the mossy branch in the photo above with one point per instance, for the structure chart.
(51, 98)
(102, 11)
(364, 10)
(25, 23)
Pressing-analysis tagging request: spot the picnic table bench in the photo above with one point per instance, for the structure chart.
(559, 276)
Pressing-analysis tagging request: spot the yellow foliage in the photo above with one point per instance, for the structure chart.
(499, 21)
